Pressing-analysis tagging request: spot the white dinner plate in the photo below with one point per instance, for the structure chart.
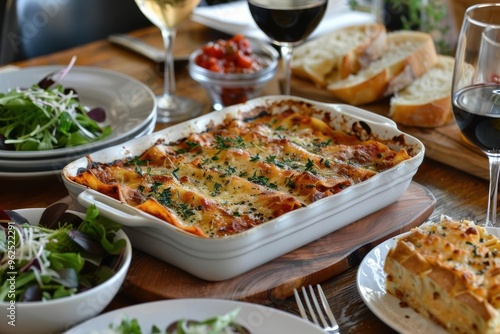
(29, 175)
(371, 286)
(235, 17)
(257, 318)
(130, 105)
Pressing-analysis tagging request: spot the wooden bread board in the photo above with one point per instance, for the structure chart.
(151, 279)
(444, 144)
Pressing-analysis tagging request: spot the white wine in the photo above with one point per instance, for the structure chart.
(167, 13)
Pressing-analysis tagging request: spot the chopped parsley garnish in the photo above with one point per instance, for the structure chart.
(225, 143)
(190, 146)
(216, 190)
(174, 173)
(309, 165)
(262, 180)
(255, 158)
(165, 198)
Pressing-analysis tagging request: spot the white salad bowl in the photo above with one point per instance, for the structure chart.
(58, 315)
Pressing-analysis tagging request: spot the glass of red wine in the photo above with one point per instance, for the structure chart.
(476, 89)
(287, 23)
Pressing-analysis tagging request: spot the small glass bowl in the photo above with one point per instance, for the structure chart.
(227, 89)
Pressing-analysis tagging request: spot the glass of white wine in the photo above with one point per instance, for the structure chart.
(166, 15)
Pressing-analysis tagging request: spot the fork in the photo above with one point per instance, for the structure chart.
(323, 311)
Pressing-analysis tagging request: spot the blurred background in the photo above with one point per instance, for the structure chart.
(30, 28)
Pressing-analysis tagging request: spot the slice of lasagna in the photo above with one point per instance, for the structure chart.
(449, 272)
(241, 173)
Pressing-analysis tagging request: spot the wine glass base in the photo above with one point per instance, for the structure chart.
(173, 109)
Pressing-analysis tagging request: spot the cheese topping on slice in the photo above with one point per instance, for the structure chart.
(449, 272)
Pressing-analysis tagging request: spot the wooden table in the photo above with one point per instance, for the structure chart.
(458, 194)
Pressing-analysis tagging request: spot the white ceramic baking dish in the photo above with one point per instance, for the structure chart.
(224, 258)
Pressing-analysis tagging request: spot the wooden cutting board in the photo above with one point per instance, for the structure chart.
(151, 279)
(444, 144)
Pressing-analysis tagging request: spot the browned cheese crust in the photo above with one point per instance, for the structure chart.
(241, 174)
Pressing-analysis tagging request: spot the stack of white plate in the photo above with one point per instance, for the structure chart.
(130, 111)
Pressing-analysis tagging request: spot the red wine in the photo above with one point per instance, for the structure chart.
(287, 21)
(477, 113)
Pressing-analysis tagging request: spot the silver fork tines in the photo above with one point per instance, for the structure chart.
(328, 323)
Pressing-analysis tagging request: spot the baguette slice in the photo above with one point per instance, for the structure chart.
(339, 53)
(427, 101)
(408, 56)
(449, 273)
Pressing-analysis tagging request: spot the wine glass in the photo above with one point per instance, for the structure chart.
(166, 15)
(287, 23)
(476, 89)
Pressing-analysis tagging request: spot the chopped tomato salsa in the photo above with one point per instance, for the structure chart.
(234, 55)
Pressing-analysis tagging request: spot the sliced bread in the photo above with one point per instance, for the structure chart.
(427, 101)
(408, 56)
(339, 53)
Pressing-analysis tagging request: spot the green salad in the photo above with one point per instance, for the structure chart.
(48, 116)
(223, 324)
(58, 258)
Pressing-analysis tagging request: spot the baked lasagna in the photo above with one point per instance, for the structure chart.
(242, 172)
(449, 272)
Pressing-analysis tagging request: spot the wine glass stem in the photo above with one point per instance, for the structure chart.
(168, 42)
(286, 60)
(491, 215)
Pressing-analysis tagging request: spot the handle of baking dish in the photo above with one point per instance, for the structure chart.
(493, 231)
(115, 210)
(367, 115)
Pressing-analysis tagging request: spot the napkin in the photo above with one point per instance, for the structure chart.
(234, 17)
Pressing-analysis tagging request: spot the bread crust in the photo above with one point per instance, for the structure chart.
(388, 74)
(432, 114)
(326, 58)
(364, 92)
(430, 110)
(361, 56)
(373, 50)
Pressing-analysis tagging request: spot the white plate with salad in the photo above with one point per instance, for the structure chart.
(50, 165)
(129, 105)
(257, 319)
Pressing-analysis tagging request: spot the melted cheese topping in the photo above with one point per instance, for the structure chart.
(242, 173)
(450, 273)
